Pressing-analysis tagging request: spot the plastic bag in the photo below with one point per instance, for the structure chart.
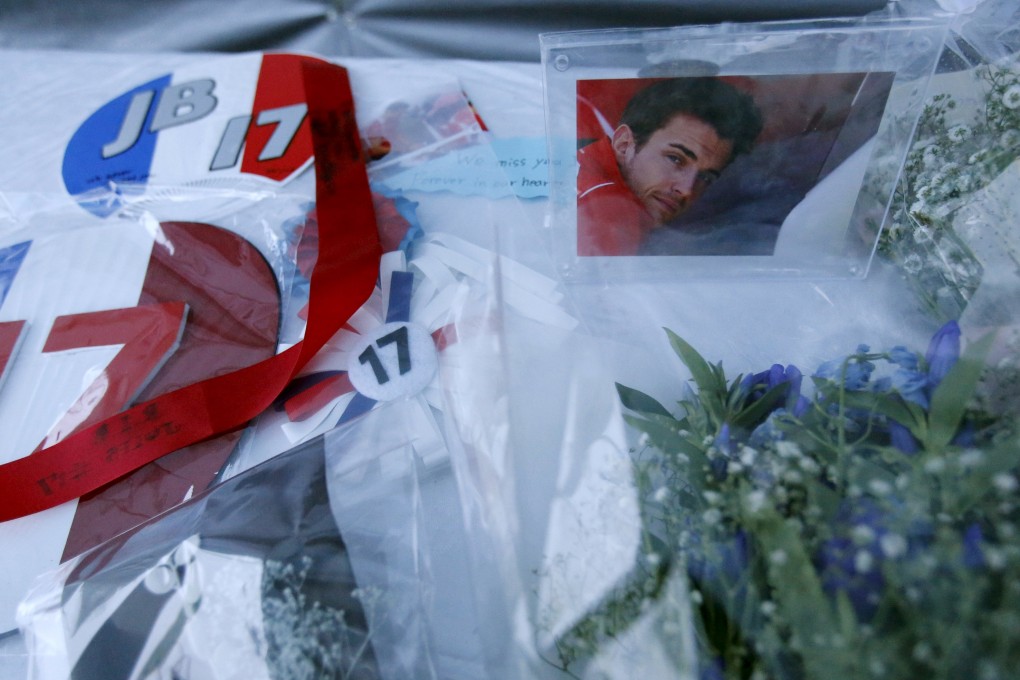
(215, 590)
(411, 396)
(734, 476)
(199, 280)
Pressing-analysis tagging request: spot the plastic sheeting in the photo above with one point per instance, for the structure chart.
(486, 29)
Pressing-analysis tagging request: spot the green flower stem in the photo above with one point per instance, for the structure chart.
(827, 648)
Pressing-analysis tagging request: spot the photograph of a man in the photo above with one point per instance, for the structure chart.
(673, 140)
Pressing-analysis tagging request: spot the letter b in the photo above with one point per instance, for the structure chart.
(184, 103)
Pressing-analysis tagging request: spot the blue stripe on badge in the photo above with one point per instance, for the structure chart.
(84, 167)
(399, 307)
(11, 258)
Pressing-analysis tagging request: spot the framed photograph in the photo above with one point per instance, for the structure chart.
(765, 150)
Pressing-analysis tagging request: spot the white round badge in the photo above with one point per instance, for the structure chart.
(395, 360)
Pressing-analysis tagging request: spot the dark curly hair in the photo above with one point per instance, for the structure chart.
(732, 113)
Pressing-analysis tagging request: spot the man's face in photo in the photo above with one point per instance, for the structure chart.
(674, 166)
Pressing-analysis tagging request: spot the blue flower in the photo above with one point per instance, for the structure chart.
(943, 352)
(854, 373)
(973, 555)
(839, 558)
(712, 669)
(722, 564)
(917, 386)
(900, 437)
(903, 357)
(912, 384)
(755, 386)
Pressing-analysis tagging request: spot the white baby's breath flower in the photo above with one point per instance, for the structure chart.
(787, 449)
(996, 558)
(893, 545)
(778, 557)
(1010, 138)
(971, 458)
(863, 562)
(922, 651)
(748, 456)
(977, 156)
(1004, 482)
(959, 133)
(1011, 97)
(934, 465)
(712, 497)
(661, 494)
(880, 487)
(809, 465)
(711, 516)
(913, 263)
(755, 501)
(862, 534)
(923, 235)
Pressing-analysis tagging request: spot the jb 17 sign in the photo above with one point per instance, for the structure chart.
(242, 115)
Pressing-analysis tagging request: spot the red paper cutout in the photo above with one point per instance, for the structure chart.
(343, 279)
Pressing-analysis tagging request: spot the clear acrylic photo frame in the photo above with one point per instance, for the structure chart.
(832, 230)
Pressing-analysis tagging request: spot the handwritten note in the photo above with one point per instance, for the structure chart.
(516, 166)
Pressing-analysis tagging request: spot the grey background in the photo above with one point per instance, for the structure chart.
(504, 30)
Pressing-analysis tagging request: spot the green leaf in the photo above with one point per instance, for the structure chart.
(846, 614)
(798, 592)
(662, 433)
(1001, 457)
(756, 412)
(949, 400)
(711, 385)
(703, 373)
(638, 401)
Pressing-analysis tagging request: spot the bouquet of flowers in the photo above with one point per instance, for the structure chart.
(959, 149)
(865, 527)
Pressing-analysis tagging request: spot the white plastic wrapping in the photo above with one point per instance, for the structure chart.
(676, 544)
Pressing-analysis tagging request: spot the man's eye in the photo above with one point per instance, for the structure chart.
(677, 159)
(706, 178)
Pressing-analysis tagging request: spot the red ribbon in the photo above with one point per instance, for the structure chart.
(343, 278)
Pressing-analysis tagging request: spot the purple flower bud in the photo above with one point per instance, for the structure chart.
(912, 386)
(943, 351)
(901, 438)
(973, 555)
(722, 440)
(903, 358)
